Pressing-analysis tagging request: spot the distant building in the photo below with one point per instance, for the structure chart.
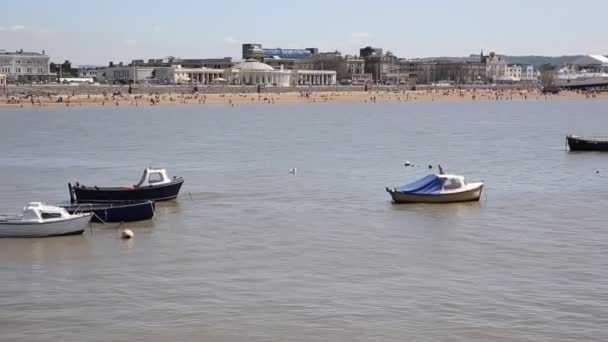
(344, 66)
(218, 71)
(353, 69)
(496, 67)
(255, 51)
(20, 66)
(285, 63)
(530, 73)
(169, 69)
(369, 51)
(446, 70)
(129, 73)
(3, 82)
(289, 53)
(309, 59)
(383, 68)
(519, 73)
(354, 65)
(328, 61)
(213, 63)
(253, 72)
(386, 68)
(217, 63)
(512, 73)
(95, 73)
(176, 74)
(409, 68)
(314, 77)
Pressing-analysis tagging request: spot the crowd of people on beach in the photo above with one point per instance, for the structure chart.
(307, 96)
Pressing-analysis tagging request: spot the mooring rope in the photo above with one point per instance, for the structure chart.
(99, 218)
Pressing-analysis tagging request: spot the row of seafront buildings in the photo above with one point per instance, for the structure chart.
(279, 67)
(311, 67)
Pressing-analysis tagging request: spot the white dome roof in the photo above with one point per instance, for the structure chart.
(252, 64)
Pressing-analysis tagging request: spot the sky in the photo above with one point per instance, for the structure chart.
(92, 32)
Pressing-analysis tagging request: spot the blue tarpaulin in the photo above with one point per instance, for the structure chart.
(430, 184)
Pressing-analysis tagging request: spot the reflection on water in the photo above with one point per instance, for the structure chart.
(249, 250)
(128, 245)
(40, 254)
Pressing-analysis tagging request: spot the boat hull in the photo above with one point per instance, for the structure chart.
(587, 144)
(463, 196)
(115, 211)
(146, 193)
(72, 226)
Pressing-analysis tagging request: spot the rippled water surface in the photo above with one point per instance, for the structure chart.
(250, 252)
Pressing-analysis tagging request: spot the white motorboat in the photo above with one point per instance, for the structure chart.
(437, 188)
(41, 220)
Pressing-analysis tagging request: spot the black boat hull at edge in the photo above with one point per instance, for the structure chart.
(115, 212)
(586, 144)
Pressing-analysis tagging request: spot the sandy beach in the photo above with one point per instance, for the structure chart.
(83, 96)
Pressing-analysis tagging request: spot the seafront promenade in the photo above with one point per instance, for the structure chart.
(116, 95)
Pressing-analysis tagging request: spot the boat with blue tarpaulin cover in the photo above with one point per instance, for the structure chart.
(437, 188)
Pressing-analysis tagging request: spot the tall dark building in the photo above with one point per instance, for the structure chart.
(253, 51)
(369, 51)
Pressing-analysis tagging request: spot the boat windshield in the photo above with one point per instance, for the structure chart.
(155, 177)
(50, 215)
(451, 184)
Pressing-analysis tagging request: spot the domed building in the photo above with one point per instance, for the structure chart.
(252, 72)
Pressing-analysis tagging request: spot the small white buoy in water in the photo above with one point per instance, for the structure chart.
(293, 171)
(127, 234)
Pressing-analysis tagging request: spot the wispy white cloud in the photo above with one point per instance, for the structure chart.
(16, 28)
(156, 28)
(13, 28)
(231, 41)
(23, 28)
